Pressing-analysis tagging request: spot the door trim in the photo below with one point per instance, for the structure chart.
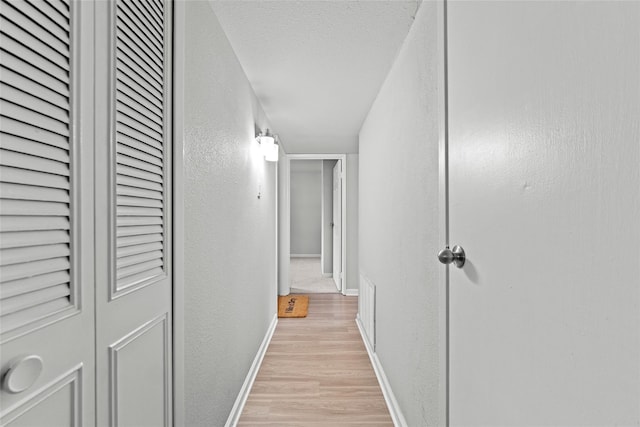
(179, 26)
(443, 210)
(287, 222)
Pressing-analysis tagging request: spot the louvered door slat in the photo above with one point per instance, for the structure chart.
(138, 231)
(139, 156)
(32, 299)
(138, 259)
(138, 35)
(140, 58)
(33, 268)
(128, 141)
(15, 320)
(138, 240)
(31, 26)
(33, 148)
(126, 251)
(40, 19)
(138, 192)
(141, 118)
(32, 58)
(23, 176)
(32, 207)
(158, 7)
(143, 22)
(130, 181)
(60, 19)
(34, 253)
(22, 223)
(23, 114)
(32, 284)
(28, 162)
(150, 17)
(132, 88)
(28, 85)
(126, 150)
(29, 192)
(33, 238)
(18, 128)
(135, 279)
(138, 164)
(131, 72)
(134, 101)
(131, 132)
(139, 201)
(35, 162)
(60, 6)
(24, 37)
(138, 211)
(143, 126)
(33, 103)
(36, 75)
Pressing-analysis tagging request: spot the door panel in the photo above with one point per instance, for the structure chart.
(337, 224)
(133, 167)
(545, 198)
(46, 209)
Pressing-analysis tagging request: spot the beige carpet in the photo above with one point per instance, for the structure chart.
(306, 277)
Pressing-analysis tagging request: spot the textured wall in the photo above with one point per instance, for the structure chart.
(230, 284)
(306, 211)
(399, 220)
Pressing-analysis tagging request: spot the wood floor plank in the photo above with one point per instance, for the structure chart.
(317, 373)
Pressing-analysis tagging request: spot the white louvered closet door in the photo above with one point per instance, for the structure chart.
(46, 213)
(133, 215)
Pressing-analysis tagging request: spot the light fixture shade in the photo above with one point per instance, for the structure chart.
(266, 144)
(272, 155)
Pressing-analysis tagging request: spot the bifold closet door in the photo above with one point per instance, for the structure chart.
(544, 155)
(133, 212)
(46, 213)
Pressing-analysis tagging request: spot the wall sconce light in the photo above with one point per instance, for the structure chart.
(268, 145)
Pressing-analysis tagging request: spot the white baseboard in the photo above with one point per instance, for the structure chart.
(305, 255)
(327, 274)
(351, 292)
(389, 398)
(238, 406)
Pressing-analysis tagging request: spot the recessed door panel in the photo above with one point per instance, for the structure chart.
(139, 371)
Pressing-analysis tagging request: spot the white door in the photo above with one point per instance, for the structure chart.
(337, 224)
(133, 214)
(545, 200)
(46, 212)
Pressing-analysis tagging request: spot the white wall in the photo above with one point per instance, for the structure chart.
(306, 207)
(230, 239)
(327, 215)
(399, 221)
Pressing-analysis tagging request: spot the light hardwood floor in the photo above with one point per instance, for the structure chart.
(316, 372)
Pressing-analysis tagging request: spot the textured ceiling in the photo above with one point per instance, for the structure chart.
(316, 66)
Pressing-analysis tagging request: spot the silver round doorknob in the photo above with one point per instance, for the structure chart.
(454, 256)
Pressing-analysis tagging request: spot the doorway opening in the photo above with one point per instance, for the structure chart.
(316, 208)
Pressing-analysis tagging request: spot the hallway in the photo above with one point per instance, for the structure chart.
(306, 277)
(316, 372)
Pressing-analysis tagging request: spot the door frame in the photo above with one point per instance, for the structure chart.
(443, 210)
(179, 43)
(287, 218)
